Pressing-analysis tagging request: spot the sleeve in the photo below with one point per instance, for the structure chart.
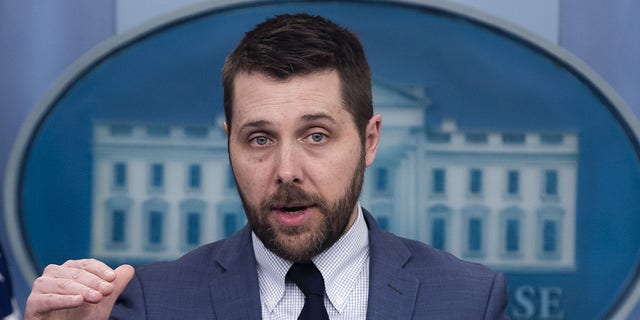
(131, 303)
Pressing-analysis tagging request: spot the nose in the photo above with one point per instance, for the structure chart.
(289, 168)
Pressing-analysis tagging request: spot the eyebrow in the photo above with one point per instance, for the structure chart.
(318, 116)
(255, 124)
(307, 118)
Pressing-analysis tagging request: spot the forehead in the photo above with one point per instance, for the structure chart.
(257, 97)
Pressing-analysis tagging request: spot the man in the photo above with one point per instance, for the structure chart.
(301, 131)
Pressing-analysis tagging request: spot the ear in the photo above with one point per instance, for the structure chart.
(225, 128)
(372, 138)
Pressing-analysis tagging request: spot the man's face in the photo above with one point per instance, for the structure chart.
(298, 160)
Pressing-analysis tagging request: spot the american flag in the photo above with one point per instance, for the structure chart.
(7, 302)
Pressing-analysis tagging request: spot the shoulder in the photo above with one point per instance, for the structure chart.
(425, 257)
(468, 288)
(155, 288)
(412, 255)
(462, 288)
(206, 260)
(152, 293)
(193, 261)
(418, 257)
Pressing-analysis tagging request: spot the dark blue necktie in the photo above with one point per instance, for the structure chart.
(309, 279)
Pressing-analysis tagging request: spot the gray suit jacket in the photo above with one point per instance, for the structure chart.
(408, 280)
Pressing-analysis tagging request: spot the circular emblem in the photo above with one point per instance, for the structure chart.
(496, 146)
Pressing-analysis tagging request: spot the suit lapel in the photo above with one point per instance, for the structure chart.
(392, 290)
(235, 291)
(234, 286)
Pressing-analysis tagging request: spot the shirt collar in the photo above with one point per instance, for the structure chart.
(340, 266)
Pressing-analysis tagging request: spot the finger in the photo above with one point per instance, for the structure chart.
(41, 304)
(81, 276)
(93, 266)
(66, 287)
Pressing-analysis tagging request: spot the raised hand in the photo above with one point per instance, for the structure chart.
(77, 289)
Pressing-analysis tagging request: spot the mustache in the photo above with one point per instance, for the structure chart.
(288, 193)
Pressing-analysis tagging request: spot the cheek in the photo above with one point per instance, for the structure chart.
(340, 168)
(251, 176)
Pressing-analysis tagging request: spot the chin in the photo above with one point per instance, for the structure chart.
(298, 248)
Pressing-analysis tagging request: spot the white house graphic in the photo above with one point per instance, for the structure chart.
(160, 190)
(505, 199)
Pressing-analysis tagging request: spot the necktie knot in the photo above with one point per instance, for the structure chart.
(309, 279)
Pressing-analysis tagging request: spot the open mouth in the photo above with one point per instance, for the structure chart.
(292, 214)
(293, 209)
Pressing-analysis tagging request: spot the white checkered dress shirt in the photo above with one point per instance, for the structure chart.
(344, 267)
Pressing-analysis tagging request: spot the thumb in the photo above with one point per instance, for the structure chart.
(124, 273)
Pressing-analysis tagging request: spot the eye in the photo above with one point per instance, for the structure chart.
(260, 140)
(317, 137)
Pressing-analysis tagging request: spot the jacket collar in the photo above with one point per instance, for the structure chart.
(234, 280)
(392, 290)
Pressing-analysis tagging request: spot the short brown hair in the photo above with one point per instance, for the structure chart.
(289, 45)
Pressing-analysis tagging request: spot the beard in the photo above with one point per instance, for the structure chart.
(301, 243)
